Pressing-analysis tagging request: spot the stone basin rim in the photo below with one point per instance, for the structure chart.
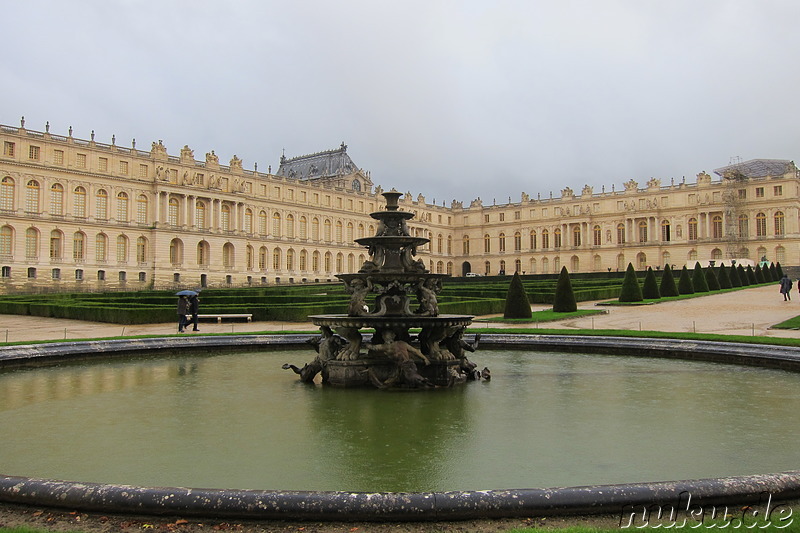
(418, 506)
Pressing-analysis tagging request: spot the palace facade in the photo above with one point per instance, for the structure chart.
(76, 214)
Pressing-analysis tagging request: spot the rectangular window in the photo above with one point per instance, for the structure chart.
(8, 149)
(777, 190)
(759, 192)
(79, 275)
(123, 168)
(502, 217)
(143, 171)
(101, 275)
(33, 153)
(102, 164)
(6, 272)
(58, 157)
(742, 194)
(80, 160)
(123, 276)
(56, 273)
(486, 218)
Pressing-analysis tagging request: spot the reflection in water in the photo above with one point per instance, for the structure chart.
(239, 421)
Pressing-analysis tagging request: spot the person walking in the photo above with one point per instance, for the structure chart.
(194, 307)
(786, 288)
(183, 308)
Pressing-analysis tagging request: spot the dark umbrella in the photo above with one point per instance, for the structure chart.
(186, 292)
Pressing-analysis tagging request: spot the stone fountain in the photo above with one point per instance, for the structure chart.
(393, 357)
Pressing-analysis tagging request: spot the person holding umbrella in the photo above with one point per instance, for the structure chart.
(194, 307)
(183, 308)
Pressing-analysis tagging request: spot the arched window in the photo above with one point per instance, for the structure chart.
(225, 217)
(744, 227)
(142, 205)
(716, 254)
(517, 241)
(502, 243)
(290, 259)
(692, 255)
(692, 225)
(642, 231)
(360, 231)
(665, 231)
(351, 262)
(545, 263)
(557, 238)
(122, 208)
(276, 259)
(101, 248)
(439, 243)
(249, 256)
(172, 212)
(339, 262)
(200, 217)
(621, 262)
(315, 261)
(176, 252)
(7, 193)
(487, 268)
(31, 243)
(597, 236)
(315, 229)
(290, 226)
(203, 253)
(533, 239)
(575, 263)
(228, 255)
(350, 235)
(356, 185)
(556, 265)
(761, 225)
(620, 233)
(276, 226)
(262, 258)
(339, 228)
(32, 197)
(780, 228)
(545, 242)
(598, 263)
(303, 262)
(262, 223)
(532, 266)
(6, 241)
(487, 243)
(576, 236)
(328, 260)
(780, 254)
(248, 221)
(449, 244)
(327, 227)
(79, 202)
(716, 226)
(57, 199)
(141, 250)
(101, 205)
(641, 261)
(502, 266)
(303, 228)
(666, 259)
(56, 244)
(122, 249)
(518, 265)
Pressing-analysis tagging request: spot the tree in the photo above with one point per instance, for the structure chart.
(734, 274)
(760, 275)
(517, 303)
(711, 279)
(650, 288)
(685, 285)
(723, 277)
(564, 301)
(751, 276)
(699, 279)
(742, 275)
(668, 287)
(631, 291)
(774, 272)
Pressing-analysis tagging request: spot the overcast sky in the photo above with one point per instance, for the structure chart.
(451, 99)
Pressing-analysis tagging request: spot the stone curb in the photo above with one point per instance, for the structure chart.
(455, 505)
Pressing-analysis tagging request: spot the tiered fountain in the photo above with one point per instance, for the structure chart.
(393, 357)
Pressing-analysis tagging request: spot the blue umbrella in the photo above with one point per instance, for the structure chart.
(186, 292)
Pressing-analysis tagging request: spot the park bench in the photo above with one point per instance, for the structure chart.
(220, 316)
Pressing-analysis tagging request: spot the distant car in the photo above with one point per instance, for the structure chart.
(473, 275)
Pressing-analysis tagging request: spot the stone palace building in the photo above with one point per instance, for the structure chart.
(77, 214)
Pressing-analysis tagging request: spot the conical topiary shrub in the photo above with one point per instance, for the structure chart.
(734, 274)
(711, 279)
(685, 285)
(723, 277)
(565, 299)
(742, 275)
(779, 270)
(760, 275)
(668, 287)
(767, 273)
(699, 279)
(631, 291)
(517, 303)
(751, 276)
(773, 272)
(650, 287)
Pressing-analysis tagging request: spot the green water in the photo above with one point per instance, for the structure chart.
(545, 420)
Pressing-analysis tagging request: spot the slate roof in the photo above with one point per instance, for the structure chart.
(759, 168)
(327, 164)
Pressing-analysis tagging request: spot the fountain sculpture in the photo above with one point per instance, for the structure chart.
(392, 358)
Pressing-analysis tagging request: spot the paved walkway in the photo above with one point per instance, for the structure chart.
(746, 312)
